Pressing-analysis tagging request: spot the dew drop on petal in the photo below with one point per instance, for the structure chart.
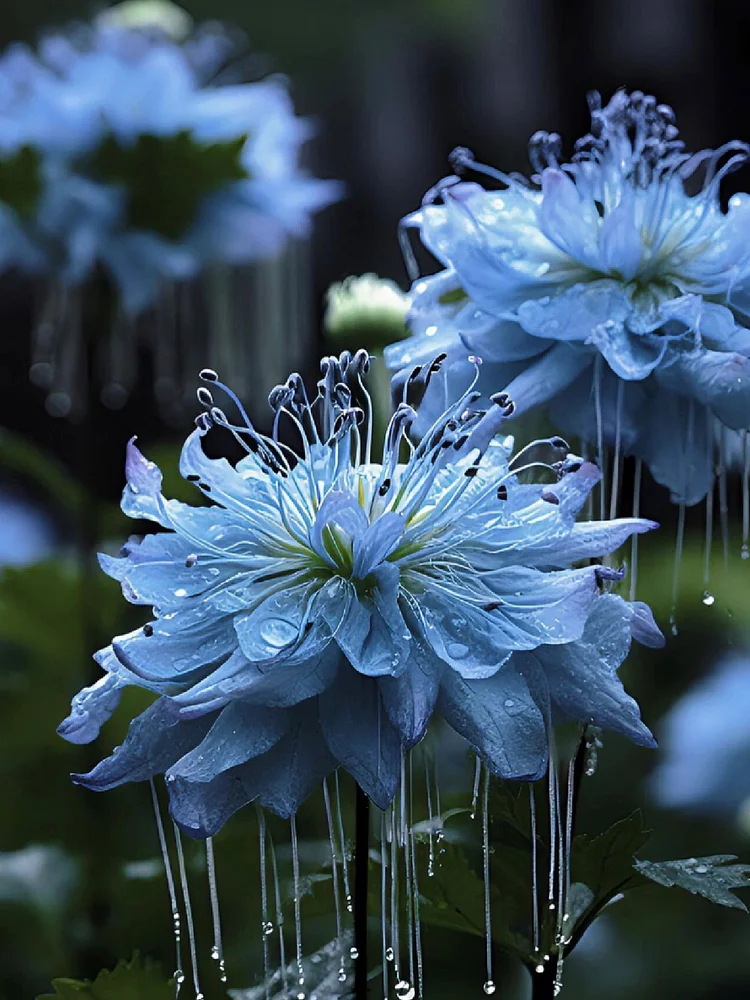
(701, 869)
(278, 632)
(457, 650)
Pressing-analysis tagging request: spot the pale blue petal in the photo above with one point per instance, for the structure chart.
(241, 732)
(409, 699)
(156, 739)
(546, 377)
(583, 675)
(91, 708)
(359, 734)
(717, 379)
(376, 543)
(500, 719)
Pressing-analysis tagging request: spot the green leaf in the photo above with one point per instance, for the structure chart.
(20, 181)
(605, 863)
(167, 176)
(712, 877)
(134, 980)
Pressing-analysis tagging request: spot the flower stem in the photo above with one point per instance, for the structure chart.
(361, 879)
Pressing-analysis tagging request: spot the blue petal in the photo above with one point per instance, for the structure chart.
(279, 686)
(583, 675)
(341, 509)
(295, 767)
(409, 699)
(714, 378)
(643, 627)
(368, 643)
(376, 543)
(240, 733)
(275, 625)
(678, 449)
(500, 719)
(156, 739)
(545, 378)
(580, 314)
(91, 708)
(175, 654)
(359, 734)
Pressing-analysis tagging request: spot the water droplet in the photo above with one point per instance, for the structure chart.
(353, 953)
(539, 968)
(179, 976)
(430, 331)
(708, 599)
(180, 592)
(342, 976)
(457, 650)
(215, 954)
(278, 632)
(701, 869)
(489, 987)
(404, 990)
(349, 906)
(267, 927)
(213, 570)
(673, 625)
(389, 954)
(745, 552)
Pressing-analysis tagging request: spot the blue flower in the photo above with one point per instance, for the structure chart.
(327, 605)
(144, 167)
(603, 288)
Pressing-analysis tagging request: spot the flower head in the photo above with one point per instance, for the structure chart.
(327, 604)
(604, 286)
(144, 167)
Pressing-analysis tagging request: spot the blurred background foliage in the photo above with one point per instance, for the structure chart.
(393, 87)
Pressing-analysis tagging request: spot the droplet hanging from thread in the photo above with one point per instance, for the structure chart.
(217, 951)
(489, 986)
(188, 912)
(179, 975)
(297, 904)
(266, 926)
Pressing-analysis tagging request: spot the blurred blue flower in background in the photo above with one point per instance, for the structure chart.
(116, 150)
(705, 761)
(327, 604)
(607, 287)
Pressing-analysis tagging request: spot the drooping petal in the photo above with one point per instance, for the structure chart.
(241, 732)
(91, 708)
(718, 379)
(409, 699)
(359, 734)
(156, 739)
(500, 719)
(583, 675)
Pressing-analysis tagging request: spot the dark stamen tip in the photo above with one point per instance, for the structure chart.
(492, 605)
(502, 492)
(191, 560)
(148, 630)
(208, 375)
(552, 498)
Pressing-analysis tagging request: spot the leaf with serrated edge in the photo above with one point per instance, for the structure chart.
(134, 980)
(712, 877)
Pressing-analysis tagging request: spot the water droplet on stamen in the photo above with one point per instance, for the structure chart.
(353, 953)
(389, 954)
(267, 927)
(489, 987)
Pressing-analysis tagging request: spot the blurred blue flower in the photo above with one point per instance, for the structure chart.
(327, 605)
(143, 166)
(605, 287)
(706, 743)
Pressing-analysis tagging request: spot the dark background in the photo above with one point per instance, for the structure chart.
(394, 87)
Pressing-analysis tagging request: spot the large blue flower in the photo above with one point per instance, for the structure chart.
(326, 605)
(603, 287)
(144, 167)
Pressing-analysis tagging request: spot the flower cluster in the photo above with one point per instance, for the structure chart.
(326, 605)
(605, 287)
(116, 152)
